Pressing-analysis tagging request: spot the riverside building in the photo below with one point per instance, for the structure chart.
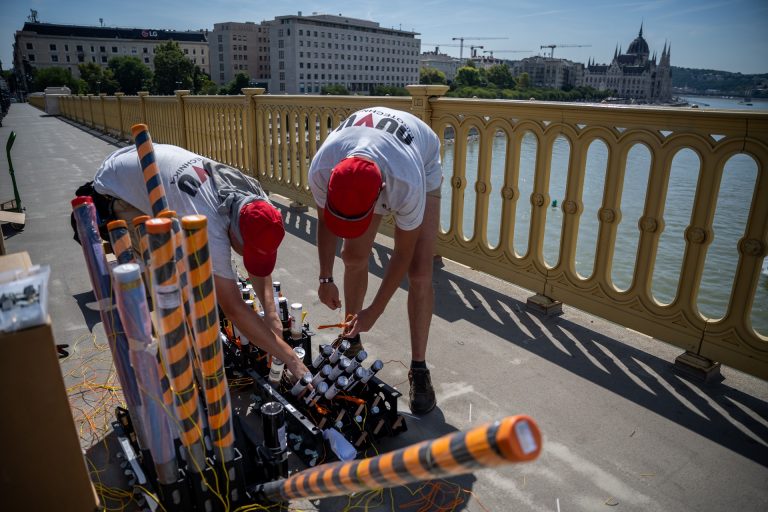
(237, 47)
(309, 52)
(549, 72)
(634, 75)
(44, 45)
(441, 62)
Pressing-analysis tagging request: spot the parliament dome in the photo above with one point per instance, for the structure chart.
(639, 46)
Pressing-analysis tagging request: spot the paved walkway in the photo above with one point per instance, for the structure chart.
(622, 430)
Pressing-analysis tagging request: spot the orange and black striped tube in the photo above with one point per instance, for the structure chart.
(175, 344)
(141, 235)
(181, 264)
(150, 169)
(512, 439)
(121, 241)
(206, 327)
(181, 272)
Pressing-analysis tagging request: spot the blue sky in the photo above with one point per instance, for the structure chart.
(715, 34)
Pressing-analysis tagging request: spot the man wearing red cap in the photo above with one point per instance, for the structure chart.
(240, 217)
(381, 161)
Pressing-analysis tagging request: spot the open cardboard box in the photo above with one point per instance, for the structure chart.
(42, 467)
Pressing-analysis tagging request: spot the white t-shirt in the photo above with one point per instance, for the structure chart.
(193, 185)
(403, 146)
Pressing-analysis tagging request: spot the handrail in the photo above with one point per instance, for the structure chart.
(274, 137)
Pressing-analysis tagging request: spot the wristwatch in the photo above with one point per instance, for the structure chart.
(324, 280)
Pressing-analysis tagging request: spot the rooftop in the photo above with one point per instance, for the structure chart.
(142, 34)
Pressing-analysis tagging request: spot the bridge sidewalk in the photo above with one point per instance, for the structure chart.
(622, 430)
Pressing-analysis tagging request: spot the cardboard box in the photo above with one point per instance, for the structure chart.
(42, 466)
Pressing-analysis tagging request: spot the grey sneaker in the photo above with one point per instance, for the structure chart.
(422, 395)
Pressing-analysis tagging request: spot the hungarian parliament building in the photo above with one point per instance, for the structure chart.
(634, 74)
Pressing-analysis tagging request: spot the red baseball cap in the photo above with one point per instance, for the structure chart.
(353, 189)
(261, 227)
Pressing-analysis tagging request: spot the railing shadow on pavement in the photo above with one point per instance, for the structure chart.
(718, 412)
(95, 132)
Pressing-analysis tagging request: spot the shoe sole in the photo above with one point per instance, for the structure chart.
(421, 413)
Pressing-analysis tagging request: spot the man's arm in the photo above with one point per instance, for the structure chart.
(253, 327)
(405, 243)
(262, 286)
(326, 252)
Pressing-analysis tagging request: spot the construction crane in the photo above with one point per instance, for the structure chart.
(462, 39)
(438, 45)
(472, 51)
(553, 46)
(506, 51)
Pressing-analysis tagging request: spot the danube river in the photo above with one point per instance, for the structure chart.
(736, 192)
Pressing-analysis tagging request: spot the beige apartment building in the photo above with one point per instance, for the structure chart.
(237, 47)
(549, 72)
(441, 62)
(309, 52)
(43, 45)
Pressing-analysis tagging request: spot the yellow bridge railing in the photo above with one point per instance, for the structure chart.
(490, 191)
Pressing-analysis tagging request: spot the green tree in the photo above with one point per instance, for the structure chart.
(130, 73)
(523, 81)
(54, 77)
(431, 76)
(203, 83)
(500, 76)
(172, 69)
(389, 90)
(468, 77)
(240, 82)
(334, 90)
(97, 79)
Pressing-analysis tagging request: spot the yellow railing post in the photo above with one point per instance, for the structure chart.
(540, 200)
(143, 102)
(421, 108)
(182, 117)
(89, 98)
(420, 96)
(102, 97)
(252, 130)
(119, 97)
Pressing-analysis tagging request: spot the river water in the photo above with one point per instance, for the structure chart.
(735, 196)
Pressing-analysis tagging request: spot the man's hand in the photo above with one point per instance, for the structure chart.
(329, 295)
(296, 367)
(361, 322)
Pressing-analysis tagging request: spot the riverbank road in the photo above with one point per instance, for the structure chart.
(623, 431)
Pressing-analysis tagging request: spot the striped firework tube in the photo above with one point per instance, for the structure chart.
(206, 324)
(181, 272)
(93, 251)
(512, 439)
(181, 264)
(150, 169)
(141, 234)
(174, 341)
(134, 313)
(121, 241)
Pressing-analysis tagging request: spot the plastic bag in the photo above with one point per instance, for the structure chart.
(24, 298)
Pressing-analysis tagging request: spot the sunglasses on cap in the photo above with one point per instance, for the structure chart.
(354, 218)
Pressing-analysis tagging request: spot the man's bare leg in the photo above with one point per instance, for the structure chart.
(421, 293)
